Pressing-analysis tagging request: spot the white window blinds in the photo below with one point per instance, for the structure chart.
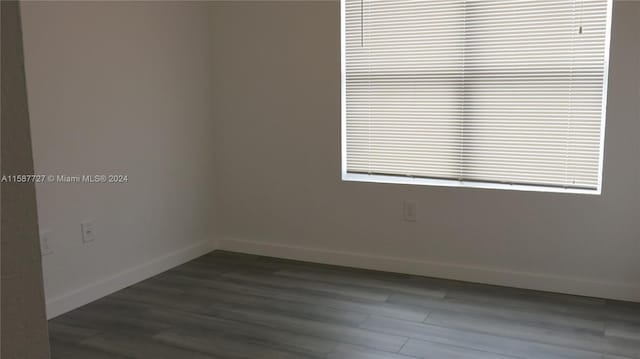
(477, 91)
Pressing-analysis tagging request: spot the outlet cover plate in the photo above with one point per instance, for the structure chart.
(88, 233)
(45, 243)
(409, 211)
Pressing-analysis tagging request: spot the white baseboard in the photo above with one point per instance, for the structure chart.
(87, 294)
(537, 281)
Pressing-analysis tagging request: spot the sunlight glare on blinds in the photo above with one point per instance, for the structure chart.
(492, 91)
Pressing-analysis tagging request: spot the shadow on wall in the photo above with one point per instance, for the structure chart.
(24, 325)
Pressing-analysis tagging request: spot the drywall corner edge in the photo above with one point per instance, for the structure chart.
(493, 276)
(87, 294)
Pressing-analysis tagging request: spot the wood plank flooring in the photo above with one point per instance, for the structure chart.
(230, 305)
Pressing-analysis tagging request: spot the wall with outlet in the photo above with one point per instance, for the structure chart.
(279, 188)
(242, 142)
(119, 88)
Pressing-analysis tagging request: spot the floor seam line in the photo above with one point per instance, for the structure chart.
(403, 344)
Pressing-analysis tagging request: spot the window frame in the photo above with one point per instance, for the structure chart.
(409, 180)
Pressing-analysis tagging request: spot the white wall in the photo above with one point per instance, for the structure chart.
(277, 107)
(132, 88)
(123, 88)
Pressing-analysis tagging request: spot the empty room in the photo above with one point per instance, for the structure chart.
(329, 179)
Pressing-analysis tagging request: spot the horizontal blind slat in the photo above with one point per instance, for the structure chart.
(476, 90)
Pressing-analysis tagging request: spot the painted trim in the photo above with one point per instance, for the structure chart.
(87, 294)
(390, 179)
(487, 275)
(605, 91)
(343, 90)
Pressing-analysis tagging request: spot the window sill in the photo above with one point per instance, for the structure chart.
(356, 177)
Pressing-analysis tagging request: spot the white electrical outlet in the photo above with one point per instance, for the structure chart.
(88, 233)
(409, 211)
(45, 243)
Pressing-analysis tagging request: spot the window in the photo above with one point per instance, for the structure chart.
(479, 93)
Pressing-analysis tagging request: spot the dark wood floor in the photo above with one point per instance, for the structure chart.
(230, 305)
